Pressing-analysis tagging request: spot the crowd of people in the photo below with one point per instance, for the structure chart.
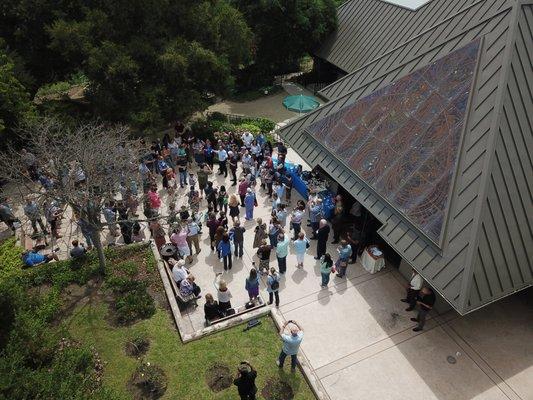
(192, 169)
(256, 173)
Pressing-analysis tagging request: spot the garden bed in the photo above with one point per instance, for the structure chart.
(58, 308)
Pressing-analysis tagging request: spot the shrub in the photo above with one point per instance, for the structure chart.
(202, 129)
(10, 258)
(221, 126)
(150, 262)
(264, 124)
(62, 273)
(255, 130)
(132, 301)
(218, 116)
(128, 267)
(70, 374)
(137, 345)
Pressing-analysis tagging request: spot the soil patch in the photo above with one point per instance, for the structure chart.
(40, 290)
(218, 377)
(159, 297)
(276, 389)
(137, 347)
(75, 295)
(148, 382)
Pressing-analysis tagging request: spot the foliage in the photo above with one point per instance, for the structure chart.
(15, 102)
(184, 365)
(39, 360)
(61, 88)
(251, 127)
(45, 357)
(33, 362)
(10, 258)
(285, 30)
(264, 124)
(218, 122)
(131, 300)
(137, 345)
(148, 62)
(128, 267)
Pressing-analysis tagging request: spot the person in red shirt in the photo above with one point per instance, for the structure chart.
(242, 189)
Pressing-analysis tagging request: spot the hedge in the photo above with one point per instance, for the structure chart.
(204, 128)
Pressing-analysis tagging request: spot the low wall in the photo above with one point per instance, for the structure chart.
(307, 371)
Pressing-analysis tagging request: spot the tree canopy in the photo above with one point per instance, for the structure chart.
(15, 102)
(286, 30)
(150, 61)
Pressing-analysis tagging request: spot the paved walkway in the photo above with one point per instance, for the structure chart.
(359, 339)
(270, 107)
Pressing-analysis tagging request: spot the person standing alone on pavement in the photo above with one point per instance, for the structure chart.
(291, 344)
(326, 266)
(413, 289)
(426, 300)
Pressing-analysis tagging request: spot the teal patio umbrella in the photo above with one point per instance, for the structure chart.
(300, 103)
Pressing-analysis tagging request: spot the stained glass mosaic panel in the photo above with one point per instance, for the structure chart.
(403, 139)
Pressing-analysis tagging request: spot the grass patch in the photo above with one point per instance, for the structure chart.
(10, 258)
(57, 340)
(185, 365)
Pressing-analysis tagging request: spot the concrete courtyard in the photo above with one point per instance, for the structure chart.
(359, 339)
(270, 106)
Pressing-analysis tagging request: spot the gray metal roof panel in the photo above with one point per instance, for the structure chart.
(492, 11)
(503, 261)
(369, 28)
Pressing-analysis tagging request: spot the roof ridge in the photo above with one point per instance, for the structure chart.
(433, 27)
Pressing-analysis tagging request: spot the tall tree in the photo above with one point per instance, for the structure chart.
(85, 164)
(15, 102)
(286, 30)
(148, 61)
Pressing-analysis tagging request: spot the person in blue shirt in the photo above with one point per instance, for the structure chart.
(224, 249)
(345, 252)
(33, 257)
(222, 160)
(161, 165)
(261, 140)
(249, 204)
(252, 284)
(291, 344)
(300, 247)
(282, 250)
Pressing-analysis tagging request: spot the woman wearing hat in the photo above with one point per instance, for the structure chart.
(249, 203)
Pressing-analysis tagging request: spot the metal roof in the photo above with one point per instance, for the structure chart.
(368, 28)
(487, 248)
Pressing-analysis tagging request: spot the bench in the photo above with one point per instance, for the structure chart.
(182, 300)
(238, 311)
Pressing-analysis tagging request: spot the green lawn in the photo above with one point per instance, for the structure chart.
(185, 365)
(41, 305)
